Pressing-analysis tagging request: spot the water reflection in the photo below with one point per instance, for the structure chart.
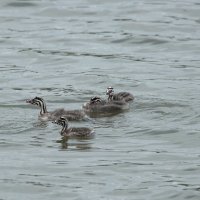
(80, 144)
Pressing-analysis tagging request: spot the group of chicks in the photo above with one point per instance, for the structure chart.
(95, 107)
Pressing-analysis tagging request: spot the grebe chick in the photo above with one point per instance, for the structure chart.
(71, 115)
(126, 96)
(73, 132)
(100, 106)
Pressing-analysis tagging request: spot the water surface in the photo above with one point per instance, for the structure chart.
(69, 51)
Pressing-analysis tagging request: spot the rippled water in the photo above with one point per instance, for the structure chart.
(69, 51)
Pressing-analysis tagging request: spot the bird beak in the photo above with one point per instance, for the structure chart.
(29, 101)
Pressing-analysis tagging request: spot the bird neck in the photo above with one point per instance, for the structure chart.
(110, 96)
(64, 128)
(43, 108)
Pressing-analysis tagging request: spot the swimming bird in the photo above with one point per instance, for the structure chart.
(71, 115)
(98, 106)
(73, 132)
(126, 96)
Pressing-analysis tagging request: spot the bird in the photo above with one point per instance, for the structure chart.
(44, 115)
(73, 132)
(96, 106)
(126, 96)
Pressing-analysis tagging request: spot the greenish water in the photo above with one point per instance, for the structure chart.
(69, 51)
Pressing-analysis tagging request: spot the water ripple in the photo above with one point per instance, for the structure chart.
(21, 4)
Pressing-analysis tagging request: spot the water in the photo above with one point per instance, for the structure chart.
(69, 51)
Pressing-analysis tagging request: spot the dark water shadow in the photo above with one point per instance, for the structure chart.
(21, 4)
(84, 54)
